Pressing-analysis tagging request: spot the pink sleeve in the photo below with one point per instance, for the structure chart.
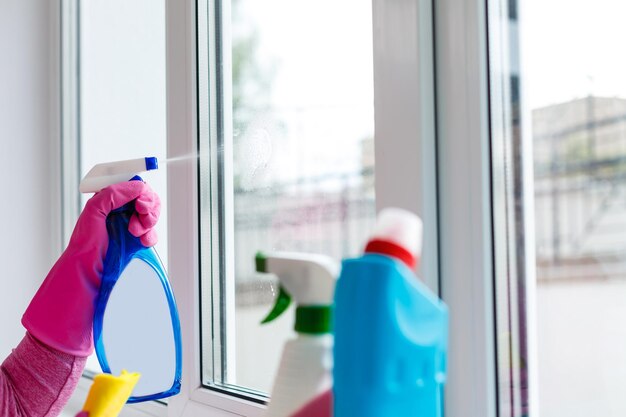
(36, 380)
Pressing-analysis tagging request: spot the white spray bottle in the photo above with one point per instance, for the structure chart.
(305, 369)
(109, 173)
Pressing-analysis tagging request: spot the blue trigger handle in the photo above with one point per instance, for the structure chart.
(120, 239)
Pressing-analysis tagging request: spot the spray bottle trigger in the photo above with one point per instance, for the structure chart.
(282, 303)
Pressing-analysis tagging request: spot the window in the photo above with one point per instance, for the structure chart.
(558, 120)
(231, 94)
(264, 166)
(287, 163)
(520, 188)
(263, 130)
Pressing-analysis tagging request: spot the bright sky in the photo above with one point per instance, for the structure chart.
(572, 48)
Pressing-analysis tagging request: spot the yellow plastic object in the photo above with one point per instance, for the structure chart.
(109, 393)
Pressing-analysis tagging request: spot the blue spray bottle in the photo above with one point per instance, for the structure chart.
(391, 331)
(136, 322)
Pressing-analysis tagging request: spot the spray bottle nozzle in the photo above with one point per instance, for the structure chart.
(151, 163)
(310, 280)
(109, 173)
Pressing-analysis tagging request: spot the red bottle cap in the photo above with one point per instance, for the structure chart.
(385, 247)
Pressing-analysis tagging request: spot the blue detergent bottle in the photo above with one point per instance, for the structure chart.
(391, 331)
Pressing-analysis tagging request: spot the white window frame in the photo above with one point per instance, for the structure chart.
(465, 214)
(68, 115)
(184, 224)
(411, 147)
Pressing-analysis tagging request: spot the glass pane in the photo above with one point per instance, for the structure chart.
(301, 174)
(563, 136)
(122, 91)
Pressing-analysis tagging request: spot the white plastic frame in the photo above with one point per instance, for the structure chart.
(465, 215)
(69, 114)
(404, 108)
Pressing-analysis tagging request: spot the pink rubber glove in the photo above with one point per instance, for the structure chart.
(61, 313)
(322, 406)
